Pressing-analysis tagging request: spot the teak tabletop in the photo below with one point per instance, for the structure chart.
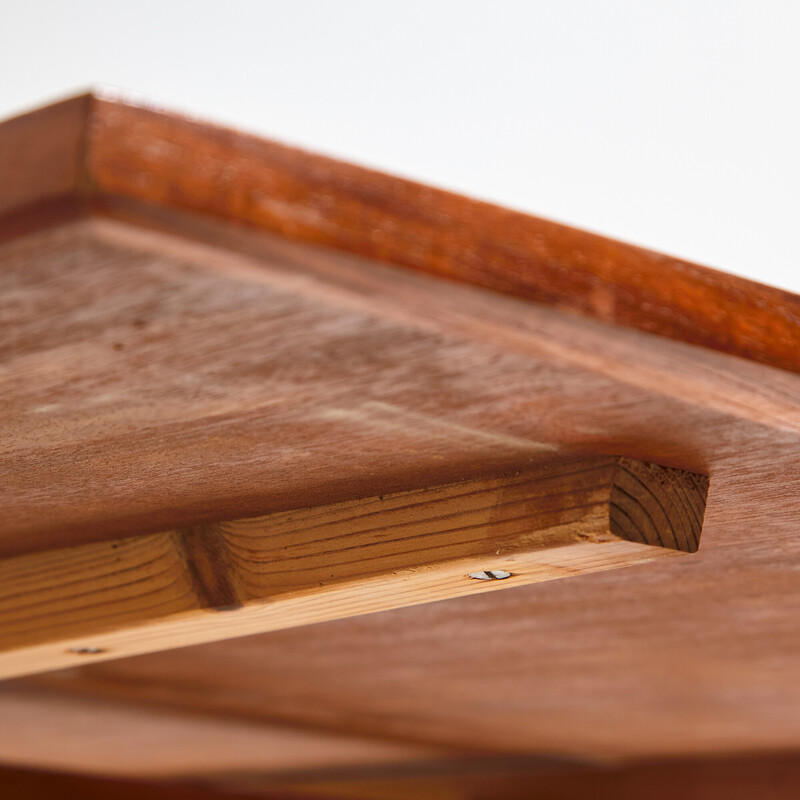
(320, 483)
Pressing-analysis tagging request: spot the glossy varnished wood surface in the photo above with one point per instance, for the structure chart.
(91, 149)
(139, 153)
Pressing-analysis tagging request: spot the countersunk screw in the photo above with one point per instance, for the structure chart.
(490, 575)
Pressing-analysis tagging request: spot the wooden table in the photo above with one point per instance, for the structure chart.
(319, 483)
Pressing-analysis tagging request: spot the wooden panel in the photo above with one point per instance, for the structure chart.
(151, 381)
(58, 732)
(163, 159)
(204, 584)
(776, 777)
(166, 369)
(578, 668)
(191, 385)
(42, 155)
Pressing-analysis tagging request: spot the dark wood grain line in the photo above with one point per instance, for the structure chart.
(671, 493)
(652, 494)
(81, 581)
(208, 562)
(631, 531)
(424, 551)
(686, 520)
(99, 623)
(644, 490)
(536, 493)
(630, 509)
(682, 505)
(530, 514)
(93, 593)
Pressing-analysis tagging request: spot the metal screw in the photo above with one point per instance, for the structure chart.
(490, 575)
(86, 651)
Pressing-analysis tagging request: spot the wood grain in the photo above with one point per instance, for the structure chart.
(167, 362)
(152, 384)
(166, 160)
(153, 381)
(575, 668)
(137, 595)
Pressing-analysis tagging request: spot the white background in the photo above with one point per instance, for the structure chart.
(669, 123)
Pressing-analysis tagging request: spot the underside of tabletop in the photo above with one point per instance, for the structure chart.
(246, 389)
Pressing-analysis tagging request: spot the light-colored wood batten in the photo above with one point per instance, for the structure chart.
(291, 568)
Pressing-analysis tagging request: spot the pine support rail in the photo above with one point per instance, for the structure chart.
(155, 592)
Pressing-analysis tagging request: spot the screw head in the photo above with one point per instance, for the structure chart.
(86, 651)
(490, 575)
